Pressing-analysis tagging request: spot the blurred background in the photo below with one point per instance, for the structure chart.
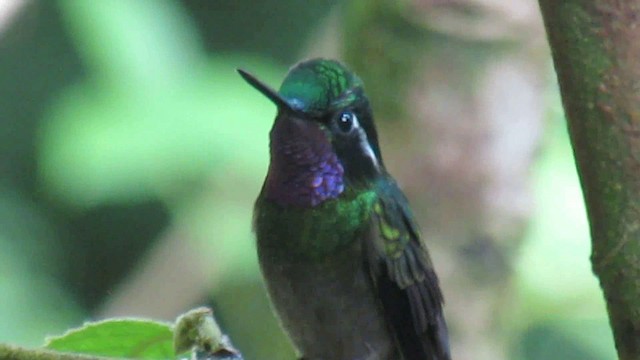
(131, 154)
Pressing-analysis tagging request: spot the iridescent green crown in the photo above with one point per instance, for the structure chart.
(318, 85)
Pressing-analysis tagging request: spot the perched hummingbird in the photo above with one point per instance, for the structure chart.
(340, 251)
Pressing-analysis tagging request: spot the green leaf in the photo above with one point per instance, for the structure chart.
(130, 338)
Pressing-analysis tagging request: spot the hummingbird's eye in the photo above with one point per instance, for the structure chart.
(346, 121)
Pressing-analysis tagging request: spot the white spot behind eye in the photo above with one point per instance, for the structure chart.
(364, 142)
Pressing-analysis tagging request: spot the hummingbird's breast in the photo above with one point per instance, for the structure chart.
(304, 170)
(325, 301)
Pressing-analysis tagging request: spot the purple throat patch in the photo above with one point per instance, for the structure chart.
(304, 170)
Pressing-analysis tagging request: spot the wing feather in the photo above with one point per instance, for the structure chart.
(404, 278)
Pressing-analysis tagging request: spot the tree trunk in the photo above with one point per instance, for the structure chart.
(596, 51)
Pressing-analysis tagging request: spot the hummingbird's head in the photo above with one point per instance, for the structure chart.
(323, 138)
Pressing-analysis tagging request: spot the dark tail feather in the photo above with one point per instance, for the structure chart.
(441, 339)
(432, 344)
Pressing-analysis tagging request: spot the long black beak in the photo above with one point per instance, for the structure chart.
(267, 91)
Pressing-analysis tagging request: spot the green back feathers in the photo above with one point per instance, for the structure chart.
(317, 85)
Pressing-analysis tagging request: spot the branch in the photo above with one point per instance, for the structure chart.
(8, 352)
(596, 51)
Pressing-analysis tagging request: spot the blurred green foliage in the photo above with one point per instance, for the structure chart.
(154, 115)
(560, 305)
(122, 119)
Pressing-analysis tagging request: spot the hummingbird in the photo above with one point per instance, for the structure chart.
(344, 264)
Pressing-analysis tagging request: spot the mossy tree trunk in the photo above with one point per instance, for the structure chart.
(596, 51)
